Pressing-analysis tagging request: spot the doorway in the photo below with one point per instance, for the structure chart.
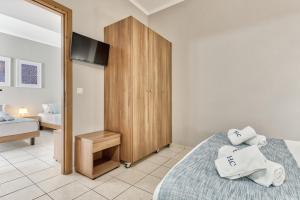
(66, 16)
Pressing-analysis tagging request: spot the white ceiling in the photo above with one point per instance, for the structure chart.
(25, 30)
(152, 6)
(25, 20)
(22, 10)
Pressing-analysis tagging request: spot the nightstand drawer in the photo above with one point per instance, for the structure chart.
(97, 153)
(105, 145)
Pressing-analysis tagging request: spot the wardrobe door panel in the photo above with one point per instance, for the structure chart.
(166, 90)
(118, 85)
(155, 83)
(142, 140)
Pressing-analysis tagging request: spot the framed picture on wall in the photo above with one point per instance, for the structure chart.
(28, 74)
(5, 69)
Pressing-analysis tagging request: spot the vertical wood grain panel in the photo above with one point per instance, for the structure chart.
(155, 83)
(143, 139)
(118, 85)
(138, 88)
(166, 89)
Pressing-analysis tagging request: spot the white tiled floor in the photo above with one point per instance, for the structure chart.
(29, 172)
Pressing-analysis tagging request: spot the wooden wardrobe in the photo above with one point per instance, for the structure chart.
(138, 88)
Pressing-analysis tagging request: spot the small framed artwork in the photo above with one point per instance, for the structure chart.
(28, 74)
(5, 69)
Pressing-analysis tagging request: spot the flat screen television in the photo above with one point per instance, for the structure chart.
(89, 50)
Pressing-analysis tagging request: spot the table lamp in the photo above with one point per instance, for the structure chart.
(23, 111)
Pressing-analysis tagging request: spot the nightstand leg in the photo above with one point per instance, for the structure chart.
(32, 141)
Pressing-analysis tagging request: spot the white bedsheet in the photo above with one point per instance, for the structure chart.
(50, 118)
(293, 146)
(14, 127)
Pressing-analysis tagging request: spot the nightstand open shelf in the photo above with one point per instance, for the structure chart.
(97, 153)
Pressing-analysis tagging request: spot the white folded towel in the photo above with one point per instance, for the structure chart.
(273, 175)
(237, 137)
(259, 140)
(241, 163)
(226, 150)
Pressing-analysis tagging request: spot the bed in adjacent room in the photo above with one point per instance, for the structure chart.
(52, 121)
(19, 129)
(195, 176)
(51, 117)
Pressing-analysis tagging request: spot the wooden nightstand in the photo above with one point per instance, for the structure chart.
(97, 153)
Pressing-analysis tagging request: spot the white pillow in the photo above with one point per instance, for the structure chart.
(2, 108)
(2, 119)
(46, 108)
(6, 116)
(54, 109)
(50, 108)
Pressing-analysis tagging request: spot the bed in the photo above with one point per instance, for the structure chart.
(50, 121)
(19, 129)
(195, 177)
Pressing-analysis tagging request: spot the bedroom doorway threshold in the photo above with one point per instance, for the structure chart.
(66, 15)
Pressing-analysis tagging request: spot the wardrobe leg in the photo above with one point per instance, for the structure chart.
(127, 165)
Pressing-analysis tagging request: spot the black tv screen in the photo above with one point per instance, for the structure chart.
(89, 50)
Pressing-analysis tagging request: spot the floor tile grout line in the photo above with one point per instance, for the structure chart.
(123, 192)
(67, 185)
(97, 185)
(42, 196)
(33, 183)
(12, 180)
(77, 180)
(60, 187)
(40, 170)
(17, 189)
(19, 178)
(84, 192)
(36, 157)
(100, 194)
(42, 188)
(146, 174)
(133, 185)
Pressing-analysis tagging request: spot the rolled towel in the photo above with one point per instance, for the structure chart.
(241, 163)
(237, 137)
(273, 175)
(259, 140)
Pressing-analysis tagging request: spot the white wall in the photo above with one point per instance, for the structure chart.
(235, 63)
(49, 56)
(89, 18)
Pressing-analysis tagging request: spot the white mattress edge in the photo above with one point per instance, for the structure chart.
(18, 128)
(50, 118)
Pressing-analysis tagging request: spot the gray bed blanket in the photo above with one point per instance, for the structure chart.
(196, 177)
